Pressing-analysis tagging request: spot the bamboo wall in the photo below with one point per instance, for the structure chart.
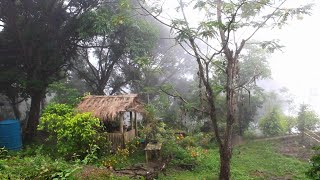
(119, 139)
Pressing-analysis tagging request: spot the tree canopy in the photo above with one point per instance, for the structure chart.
(38, 40)
(117, 46)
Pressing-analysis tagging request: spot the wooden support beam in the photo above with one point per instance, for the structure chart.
(135, 123)
(121, 119)
(131, 121)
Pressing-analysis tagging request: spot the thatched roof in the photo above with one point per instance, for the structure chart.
(108, 107)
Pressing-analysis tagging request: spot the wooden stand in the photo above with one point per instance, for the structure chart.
(153, 147)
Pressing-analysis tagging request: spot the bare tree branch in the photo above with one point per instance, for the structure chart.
(156, 17)
(265, 21)
(183, 100)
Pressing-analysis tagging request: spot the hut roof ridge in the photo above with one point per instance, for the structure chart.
(107, 107)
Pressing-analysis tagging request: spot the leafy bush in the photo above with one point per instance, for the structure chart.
(64, 93)
(154, 130)
(73, 133)
(124, 157)
(307, 118)
(290, 122)
(182, 155)
(186, 141)
(205, 140)
(271, 124)
(118, 160)
(249, 134)
(133, 145)
(314, 171)
(179, 154)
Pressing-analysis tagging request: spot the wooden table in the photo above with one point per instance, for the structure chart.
(153, 147)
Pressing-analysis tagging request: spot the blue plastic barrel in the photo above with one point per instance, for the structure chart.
(10, 134)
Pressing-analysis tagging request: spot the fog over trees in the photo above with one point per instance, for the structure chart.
(197, 66)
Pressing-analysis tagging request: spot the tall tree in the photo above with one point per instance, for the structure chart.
(112, 54)
(222, 33)
(45, 34)
(253, 66)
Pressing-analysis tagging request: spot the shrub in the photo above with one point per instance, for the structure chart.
(118, 160)
(271, 124)
(249, 134)
(178, 154)
(314, 171)
(187, 141)
(73, 133)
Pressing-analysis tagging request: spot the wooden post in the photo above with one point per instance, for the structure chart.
(121, 130)
(121, 122)
(131, 120)
(146, 152)
(135, 123)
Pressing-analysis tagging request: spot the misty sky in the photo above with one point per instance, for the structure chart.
(297, 66)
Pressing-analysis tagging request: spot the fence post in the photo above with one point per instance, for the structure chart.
(135, 124)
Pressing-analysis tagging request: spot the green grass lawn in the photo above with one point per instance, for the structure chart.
(254, 160)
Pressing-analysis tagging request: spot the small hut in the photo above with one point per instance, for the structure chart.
(112, 108)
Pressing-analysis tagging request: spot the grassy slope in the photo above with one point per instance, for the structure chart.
(255, 160)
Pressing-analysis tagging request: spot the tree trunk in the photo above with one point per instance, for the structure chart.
(34, 115)
(225, 158)
(100, 90)
(16, 111)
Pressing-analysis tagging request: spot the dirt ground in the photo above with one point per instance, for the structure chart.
(148, 171)
(292, 146)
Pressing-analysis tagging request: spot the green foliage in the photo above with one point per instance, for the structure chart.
(186, 152)
(3, 153)
(150, 112)
(49, 30)
(35, 167)
(179, 154)
(187, 141)
(249, 134)
(154, 131)
(271, 124)
(128, 156)
(64, 94)
(73, 133)
(117, 160)
(314, 171)
(307, 118)
(58, 109)
(122, 41)
(289, 123)
(248, 106)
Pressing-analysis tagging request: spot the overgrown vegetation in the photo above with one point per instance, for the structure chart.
(273, 123)
(314, 171)
(36, 165)
(75, 134)
(191, 157)
(199, 96)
